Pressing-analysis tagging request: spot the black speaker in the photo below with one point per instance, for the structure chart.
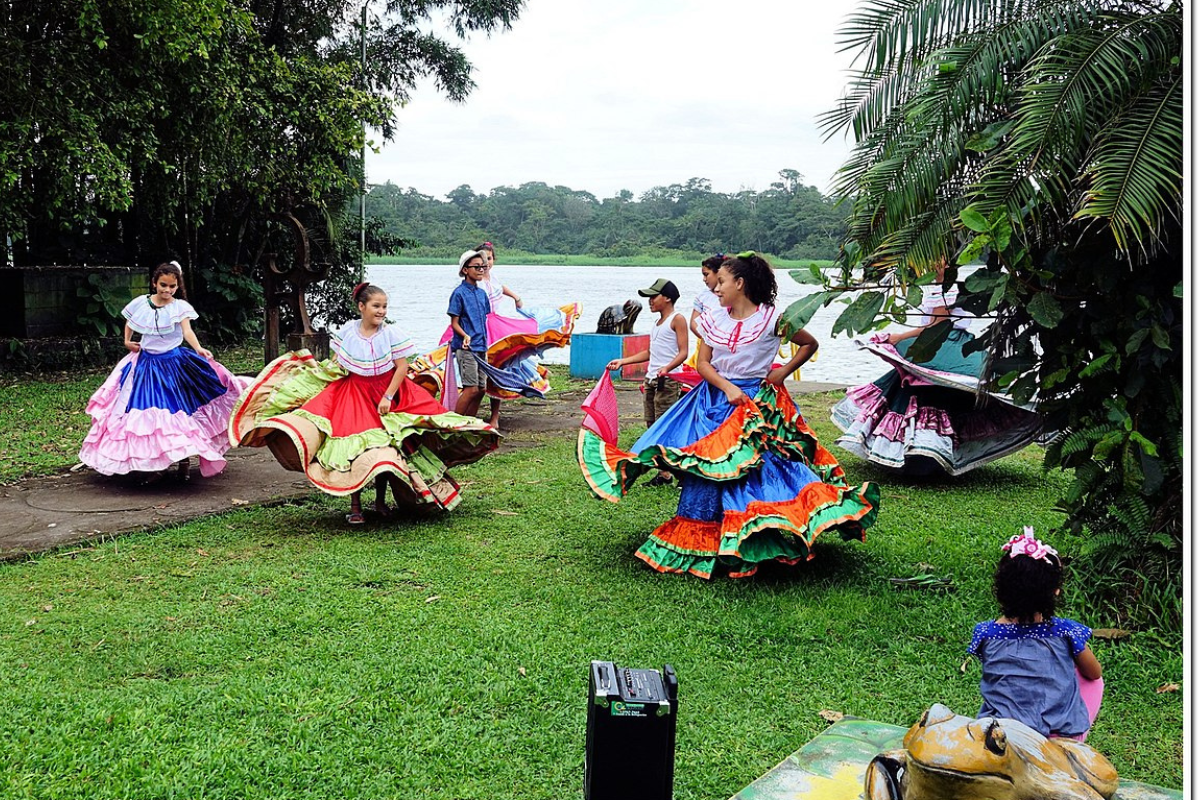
(630, 733)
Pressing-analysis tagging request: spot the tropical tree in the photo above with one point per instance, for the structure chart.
(1044, 137)
(135, 132)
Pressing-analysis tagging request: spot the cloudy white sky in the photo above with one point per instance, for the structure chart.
(604, 95)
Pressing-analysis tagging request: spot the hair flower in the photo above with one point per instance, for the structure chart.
(1026, 544)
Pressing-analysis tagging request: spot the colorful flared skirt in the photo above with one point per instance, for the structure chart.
(321, 420)
(756, 484)
(155, 409)
(932, 417)
(516, 345)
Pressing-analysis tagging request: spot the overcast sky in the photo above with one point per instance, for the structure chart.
(604, 95)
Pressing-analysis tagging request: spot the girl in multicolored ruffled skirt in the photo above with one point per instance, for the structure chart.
(516, 343)
(358, 417)
(756, 484)
(163, 403)
(933, 416)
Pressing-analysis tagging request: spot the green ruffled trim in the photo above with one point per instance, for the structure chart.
(786, 438)
(297, 390)
(337, 452)
(664, 559)
(607, 484)
(731, 465)
(771, 431)
(774, 536)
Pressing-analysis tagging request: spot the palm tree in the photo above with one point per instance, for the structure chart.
(1063, 113)
(1047, 135)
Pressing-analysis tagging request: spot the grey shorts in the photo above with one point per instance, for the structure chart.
(469, 373)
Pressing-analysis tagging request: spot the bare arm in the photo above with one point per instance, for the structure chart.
(681, 343)
(130, 344)
(457, 328)
(806, 348)
(939, 314)
(694, 322)
(398, 375)
(636, 358)
(511, 294)
(1089, 666)
(190, 337)
(707, 371)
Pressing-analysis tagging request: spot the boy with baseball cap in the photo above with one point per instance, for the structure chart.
(468, 310)
(668, 349)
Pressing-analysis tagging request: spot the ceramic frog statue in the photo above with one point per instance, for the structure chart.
(947, 756)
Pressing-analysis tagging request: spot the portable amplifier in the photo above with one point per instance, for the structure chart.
(630, 733)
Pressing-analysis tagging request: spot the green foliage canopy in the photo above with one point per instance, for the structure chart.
(1044, 137)
(134, 131)
(787, 218)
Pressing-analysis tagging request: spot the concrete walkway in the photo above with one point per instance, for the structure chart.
(73, 508)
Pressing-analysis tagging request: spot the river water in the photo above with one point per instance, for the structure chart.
(417, 296)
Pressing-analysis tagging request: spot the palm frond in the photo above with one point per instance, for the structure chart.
(1134, 174)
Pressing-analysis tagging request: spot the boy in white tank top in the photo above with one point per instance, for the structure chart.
(668, 349)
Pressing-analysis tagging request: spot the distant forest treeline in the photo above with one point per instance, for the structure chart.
(789, 220)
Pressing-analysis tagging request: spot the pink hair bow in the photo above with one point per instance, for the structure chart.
(1025, 544)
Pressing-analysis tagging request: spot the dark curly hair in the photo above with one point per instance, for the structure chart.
(169, 268)
(760, 287)
(713, 262)
(1025, 586)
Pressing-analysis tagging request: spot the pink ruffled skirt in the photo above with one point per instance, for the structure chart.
(155, 409)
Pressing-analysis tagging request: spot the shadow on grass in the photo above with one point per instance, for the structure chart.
(1003, 474)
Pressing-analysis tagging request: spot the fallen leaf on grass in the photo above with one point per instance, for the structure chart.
(432, 597)
(47, 607)
(504, 513)
(831, 716)
(924, 581)
(1167, 687)
(1111, 634)
(201, 551)
(239, 502)
(521, 670)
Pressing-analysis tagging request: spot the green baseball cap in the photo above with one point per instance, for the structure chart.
(661, 286)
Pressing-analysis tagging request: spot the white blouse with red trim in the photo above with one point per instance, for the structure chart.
(742, 348)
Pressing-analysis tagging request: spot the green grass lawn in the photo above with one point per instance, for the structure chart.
(277, 653)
